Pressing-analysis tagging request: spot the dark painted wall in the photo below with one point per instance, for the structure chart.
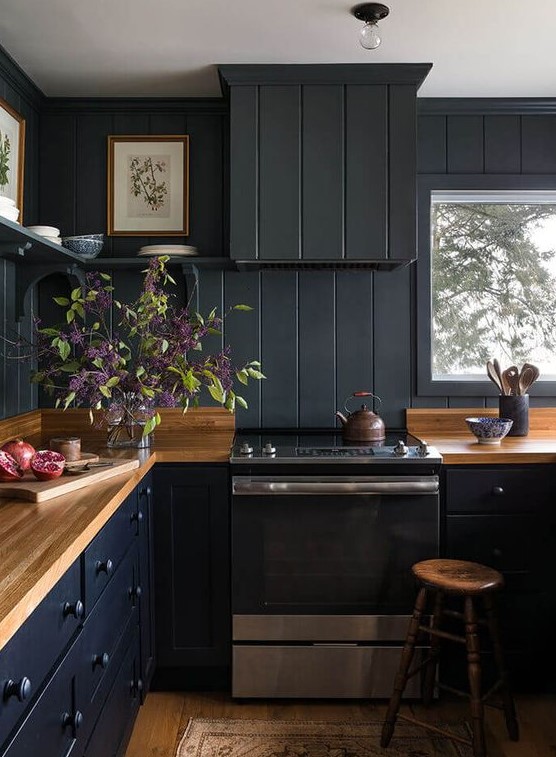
(16, 393)
(320, 335)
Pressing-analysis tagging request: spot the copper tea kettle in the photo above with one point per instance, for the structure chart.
(362, 425)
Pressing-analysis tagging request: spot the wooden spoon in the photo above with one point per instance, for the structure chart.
(511, 375)
(494, 376)
(536, 372)
(505, 388)
(526, 378)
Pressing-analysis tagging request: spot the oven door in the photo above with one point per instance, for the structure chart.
(329, 546)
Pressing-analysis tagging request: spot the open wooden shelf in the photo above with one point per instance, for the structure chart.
(204, 263)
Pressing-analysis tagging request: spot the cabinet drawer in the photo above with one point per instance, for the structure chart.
(506, 543)
(105, 552)
(53, 726)
(32, 652)
(113, 728)
(500, 490)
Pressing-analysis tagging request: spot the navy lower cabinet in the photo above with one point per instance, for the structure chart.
(504, 517)
(74, 675)
(192, 575)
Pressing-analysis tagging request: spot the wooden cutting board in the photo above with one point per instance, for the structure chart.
(30, 489)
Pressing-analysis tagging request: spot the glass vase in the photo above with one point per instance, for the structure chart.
(126, 422)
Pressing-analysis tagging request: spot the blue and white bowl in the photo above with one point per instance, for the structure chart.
(86, 245)
(489, 430)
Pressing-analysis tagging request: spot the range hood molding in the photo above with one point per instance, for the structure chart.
(322, 265)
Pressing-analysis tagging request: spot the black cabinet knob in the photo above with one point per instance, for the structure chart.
(497, 552)
(146, 492)
(136, 687)
(135, 593)
(104, 567)
(497, 491)
(21, 689)
(102, 660)
(77, 609)
(72, 719)
(137, 516)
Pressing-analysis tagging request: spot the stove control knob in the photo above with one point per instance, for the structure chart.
(269, 449)
(423, 449)
(400, 449)
(246, 449)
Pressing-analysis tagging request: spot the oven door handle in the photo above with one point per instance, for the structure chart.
(402, 485)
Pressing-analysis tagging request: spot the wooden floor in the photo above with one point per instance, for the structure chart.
(164, 716)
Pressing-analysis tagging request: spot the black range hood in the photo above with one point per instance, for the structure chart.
(323, 165)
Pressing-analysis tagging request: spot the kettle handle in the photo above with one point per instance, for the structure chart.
(361, 394)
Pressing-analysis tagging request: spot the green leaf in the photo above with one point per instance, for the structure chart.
(242, 307)
(105, 391)
(64, 349)
(70, 367)
(198, 347)
(78, 307)
(146, 392)
(149, 426)
(212, 330)
(105, 276)
(68, 400)
(255, 374)
(76, 294)
(95, 326)
(243, 376)
(70, 315)
(241, 401)
(113, 381)
(140, 371)
(98, 362)
(255, 363)
(49, 332)
(164, 346)
(62, 301)
(216, 394)
(230, 403)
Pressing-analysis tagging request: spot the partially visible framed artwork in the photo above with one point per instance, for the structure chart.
(12, 154)
(148, 185)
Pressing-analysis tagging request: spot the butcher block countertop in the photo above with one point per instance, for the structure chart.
(447, 431)
(39, 542)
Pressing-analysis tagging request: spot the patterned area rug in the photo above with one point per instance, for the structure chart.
(305, 738)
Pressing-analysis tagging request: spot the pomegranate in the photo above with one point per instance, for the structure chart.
(9, 470)
(21, 451)
(47, 464)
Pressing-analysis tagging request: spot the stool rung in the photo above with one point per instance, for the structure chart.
(451, 690)
(499, 683)
(442, 634)
(459, 616)
(435, 729)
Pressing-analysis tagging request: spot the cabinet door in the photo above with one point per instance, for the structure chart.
(146, 580)
(192, 573)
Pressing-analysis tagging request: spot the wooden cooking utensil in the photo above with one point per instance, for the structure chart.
(526, 378)
(536, 372)
(493, 375)
(505, 387)
(511, 376)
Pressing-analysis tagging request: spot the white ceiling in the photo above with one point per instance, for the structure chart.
(479, 48)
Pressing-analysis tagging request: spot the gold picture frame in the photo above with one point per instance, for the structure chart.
(148, 185)
(12, 151)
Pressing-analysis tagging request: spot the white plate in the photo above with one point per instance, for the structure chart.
(45, 231)
(11, 214)
(154, 247)
(55, 240)
(7, 201)
(172, 253)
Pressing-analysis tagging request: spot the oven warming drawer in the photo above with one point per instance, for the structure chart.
(320, 628)
(332, 671)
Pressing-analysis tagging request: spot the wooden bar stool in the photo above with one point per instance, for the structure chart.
(471, 582)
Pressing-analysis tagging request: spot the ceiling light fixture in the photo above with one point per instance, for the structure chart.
(371, 14)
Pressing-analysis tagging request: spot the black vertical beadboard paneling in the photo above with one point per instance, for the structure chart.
(205, 184)
(279, 349)
(242, 334)
(58, 172)
(91, 173)
(323, 171)
(279, 172)
(366, 191)
(354, 333)
(402, 124)
(392, 344)
(317, 349)
(465, 144)
(244, 173)
(431, 144)
(502, 144)
(538, 144)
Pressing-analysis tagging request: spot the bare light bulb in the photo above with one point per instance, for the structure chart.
(369, 37)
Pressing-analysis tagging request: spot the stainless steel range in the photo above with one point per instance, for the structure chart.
(323, 538)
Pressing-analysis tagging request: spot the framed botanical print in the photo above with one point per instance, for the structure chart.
(148, 185)
(12, 154)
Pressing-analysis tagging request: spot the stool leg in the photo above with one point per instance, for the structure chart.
(507, 699)
(429, 676)
(474, 674)
(405, 662)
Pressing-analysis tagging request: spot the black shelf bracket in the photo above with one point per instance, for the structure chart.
(27, 276)
(14, 250)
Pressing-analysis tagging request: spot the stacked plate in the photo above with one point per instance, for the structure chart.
(175, 250)
(8, 209)
(48, 232)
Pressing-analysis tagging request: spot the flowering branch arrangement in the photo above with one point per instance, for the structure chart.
(150, 357)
